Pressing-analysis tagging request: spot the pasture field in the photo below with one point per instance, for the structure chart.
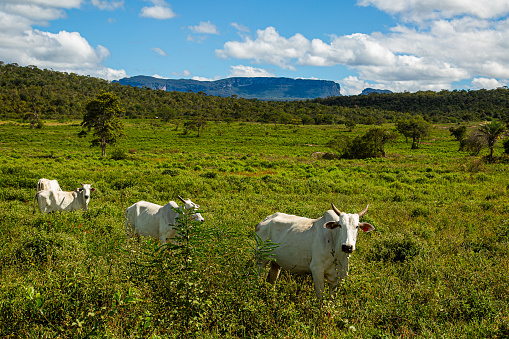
(436, 265)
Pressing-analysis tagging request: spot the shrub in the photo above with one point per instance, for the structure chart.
(118, 154)
(395, 248)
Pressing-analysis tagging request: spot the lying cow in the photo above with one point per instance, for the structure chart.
(320, 246)
(148, 219)
(52, 200)
(46, 184)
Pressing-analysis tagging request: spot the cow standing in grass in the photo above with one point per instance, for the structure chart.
(320, 246)
(53, 200)
(156, 221)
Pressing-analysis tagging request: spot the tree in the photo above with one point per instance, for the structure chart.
(491, 132)
(197, 123)
(369, 145)
(102, 116)
(414, 127)
(459, 133)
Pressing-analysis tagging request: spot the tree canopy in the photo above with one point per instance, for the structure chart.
(25, 91)
(102, 117)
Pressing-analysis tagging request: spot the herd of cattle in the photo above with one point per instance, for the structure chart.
(320, 247)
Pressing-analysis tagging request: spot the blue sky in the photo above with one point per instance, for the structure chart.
(404, 45)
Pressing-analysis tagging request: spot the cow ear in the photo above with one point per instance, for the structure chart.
(92, 189)
(366, 227)
(80, 189)
(332, 225)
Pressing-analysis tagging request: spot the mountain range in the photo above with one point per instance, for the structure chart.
(262, 88)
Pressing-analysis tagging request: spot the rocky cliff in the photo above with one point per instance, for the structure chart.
(259, 88)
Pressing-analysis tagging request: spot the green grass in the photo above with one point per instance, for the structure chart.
(435, 267)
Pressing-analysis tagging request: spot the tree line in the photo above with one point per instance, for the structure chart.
(33, 94)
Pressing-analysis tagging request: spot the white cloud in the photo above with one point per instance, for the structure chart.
(159, 51)
(160, 10)
(108, 4)
(197, 78)
(429, 58)
(420, 10)
(269, 47)
(240, 27)
(486, 83)
(204, 28)
(184, 73)
(62, 51)
(248, 71)
(352, 85)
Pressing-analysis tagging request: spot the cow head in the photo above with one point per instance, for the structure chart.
(85, 191)
(189, 205)
(348, 225)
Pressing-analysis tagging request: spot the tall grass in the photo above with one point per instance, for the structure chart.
(436, 266)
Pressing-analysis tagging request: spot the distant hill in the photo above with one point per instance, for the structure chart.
(373, 90)
(263, 88)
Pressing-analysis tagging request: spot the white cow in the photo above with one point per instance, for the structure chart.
(46, 184)
(320, 246)
(148, 219)
(52, 200)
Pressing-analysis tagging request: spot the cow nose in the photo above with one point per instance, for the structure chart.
(87, 196)
(347, 248)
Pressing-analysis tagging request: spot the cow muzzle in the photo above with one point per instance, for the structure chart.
(347, 248)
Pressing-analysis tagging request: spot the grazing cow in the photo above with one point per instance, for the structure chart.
(148, 219)
(52, 200)
(320, 246)
(46, 184)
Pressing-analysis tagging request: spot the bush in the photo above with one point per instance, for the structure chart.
(396, 248)
(118, 154)
(369, 145)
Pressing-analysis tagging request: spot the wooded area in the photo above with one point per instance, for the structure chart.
(26, 92)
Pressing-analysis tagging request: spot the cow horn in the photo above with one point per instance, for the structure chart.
(335, 209)
(182, 199)
(361, 213)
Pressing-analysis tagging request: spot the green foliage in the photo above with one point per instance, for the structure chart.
(118, 154)
(57, 95)
(370, 145)
(459, 132)
(414, 127)
(490, 132)
(472, 144)
(102, 116)
(506, 146)
(435, 265)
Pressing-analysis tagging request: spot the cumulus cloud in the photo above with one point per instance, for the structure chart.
(430, 57)
(419, 10)
(352, 85)
(62, 51)
(158, 51)
(248, 71)
(159, 10)
(486, 83)
(204, 28)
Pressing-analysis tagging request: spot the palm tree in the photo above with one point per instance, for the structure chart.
(491, 132)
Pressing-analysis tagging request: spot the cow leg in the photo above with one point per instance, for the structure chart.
(275, 269)
(332, 280)
(318, 279)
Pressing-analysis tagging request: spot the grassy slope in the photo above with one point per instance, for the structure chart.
(435, 266)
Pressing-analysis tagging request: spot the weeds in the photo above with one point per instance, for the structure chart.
(434, 267)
